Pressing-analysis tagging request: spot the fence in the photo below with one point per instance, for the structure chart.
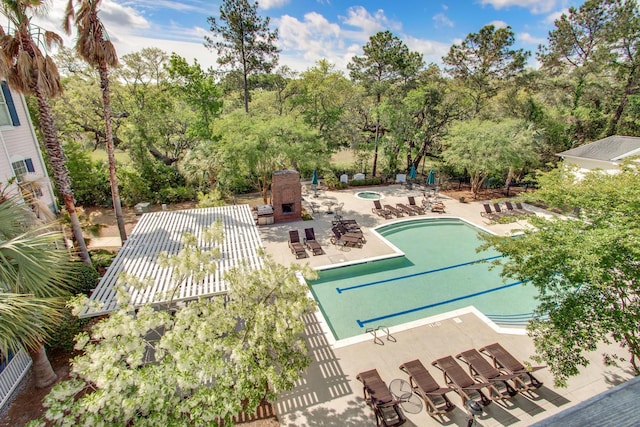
(13, 372)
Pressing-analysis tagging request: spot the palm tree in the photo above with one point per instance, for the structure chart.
(33, 271)
(29, 72)
(93, 45)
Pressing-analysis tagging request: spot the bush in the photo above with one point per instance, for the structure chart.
(176, 194)
(365, 182)
(85, 278)
(62, 338)
(101, 259)
(90, 178)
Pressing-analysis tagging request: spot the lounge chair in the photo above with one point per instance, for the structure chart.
(406, 209)
(380, 211)
(437, 206)
(482, 370)
(351, 234)
(526, 211)
(424, 385)
(502, 359)
(380, 399)
(460, 381)
(496, 208)
(512, 210)
(295, 245)
(344, 240)
(311, 242)
(351, 225)
(488, 213)
(397, 212)
(412, 203)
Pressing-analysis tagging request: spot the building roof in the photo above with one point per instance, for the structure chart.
(161, 232)
(610, 149)
(617, 406)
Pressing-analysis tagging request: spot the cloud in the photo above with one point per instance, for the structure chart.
(498, 24)
(359, 17)
(441, 20)
(553, 17)
(534, 6)
(272, 4)
(527, 38)
(432, 51)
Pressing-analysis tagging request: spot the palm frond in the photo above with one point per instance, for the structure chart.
(26, 320)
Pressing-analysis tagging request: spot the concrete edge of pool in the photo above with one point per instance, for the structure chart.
(432, 320)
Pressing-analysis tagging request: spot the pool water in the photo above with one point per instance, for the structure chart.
(441, 271)
(369, 195)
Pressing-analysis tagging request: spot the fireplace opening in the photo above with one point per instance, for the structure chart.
(288, 208)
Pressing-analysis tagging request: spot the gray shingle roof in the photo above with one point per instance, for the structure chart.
(610, 149)
(616, 407)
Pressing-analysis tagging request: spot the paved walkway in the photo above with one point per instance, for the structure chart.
(330, 395)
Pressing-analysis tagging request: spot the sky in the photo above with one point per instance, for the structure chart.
(310, 30)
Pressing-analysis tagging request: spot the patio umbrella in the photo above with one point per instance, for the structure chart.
(314, 178)
(431, 178)
(412, 172)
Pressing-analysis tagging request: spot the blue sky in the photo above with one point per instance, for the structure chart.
(310, 30)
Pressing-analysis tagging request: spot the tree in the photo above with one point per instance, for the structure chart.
(200, 364)
(386, 62)
(585, 268)
(28, 71)
(33, 276)
(93, 45)
(247, 43)
(485, 148)
(483, 61)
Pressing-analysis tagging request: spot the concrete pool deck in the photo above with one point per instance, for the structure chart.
(329, 393)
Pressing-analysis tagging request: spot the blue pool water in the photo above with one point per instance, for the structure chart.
(441, 271)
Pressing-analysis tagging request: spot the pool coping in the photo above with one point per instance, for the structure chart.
(432, 320)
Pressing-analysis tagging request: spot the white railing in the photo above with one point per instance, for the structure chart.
(12, 374)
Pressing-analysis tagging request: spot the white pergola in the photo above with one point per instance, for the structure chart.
(162, 232)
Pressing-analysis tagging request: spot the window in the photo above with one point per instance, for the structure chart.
(20, 167)
(8, 113)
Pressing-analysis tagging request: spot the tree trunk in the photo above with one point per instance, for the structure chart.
(628, 90)
(42, 370)
(60, 172)
(113, 178)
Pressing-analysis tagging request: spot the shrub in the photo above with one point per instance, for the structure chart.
(62, 338)
(365, 182)
(101, 259)
(85, 278)
(176, 194)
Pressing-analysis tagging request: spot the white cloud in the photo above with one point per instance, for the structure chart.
(271, 4)
(441, 20)
(527, 38)
(534, 6)
(432, 51)
(359, 17)
(553, 17)
(498, 24)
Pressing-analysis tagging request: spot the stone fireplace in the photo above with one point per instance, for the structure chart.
(286, 196)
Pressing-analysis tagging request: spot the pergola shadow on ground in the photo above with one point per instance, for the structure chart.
(324, 381)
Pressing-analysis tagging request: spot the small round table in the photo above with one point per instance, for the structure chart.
(401, 390)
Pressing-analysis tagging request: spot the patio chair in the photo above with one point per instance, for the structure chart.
(343, 240)
(379, 398)
(526, 211)
(414, 206)
(498, 210)
(513, 210)
(406, 209)
(380, 211)
(295, 245)
(397, 212)
(504, 360)
(351, 225)
(482, 370)
(460, 381)
(488, 213)
(344, 231)
(311, 242)
(437, 206)
(424, 385)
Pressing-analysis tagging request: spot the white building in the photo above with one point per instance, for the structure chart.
(605, 154)
(22, 169)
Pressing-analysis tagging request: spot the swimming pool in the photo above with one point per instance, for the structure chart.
(440, 272)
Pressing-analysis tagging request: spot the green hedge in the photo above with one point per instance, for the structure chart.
(365, 182)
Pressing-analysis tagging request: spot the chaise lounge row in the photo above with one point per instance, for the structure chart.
(497, 211)
(484, 382)
(298, 248)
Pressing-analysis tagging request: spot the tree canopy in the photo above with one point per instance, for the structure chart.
(584, 267)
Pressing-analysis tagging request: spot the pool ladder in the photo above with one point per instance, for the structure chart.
(376, 338)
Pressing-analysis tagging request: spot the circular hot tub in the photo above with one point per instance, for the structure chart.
(369, 195)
